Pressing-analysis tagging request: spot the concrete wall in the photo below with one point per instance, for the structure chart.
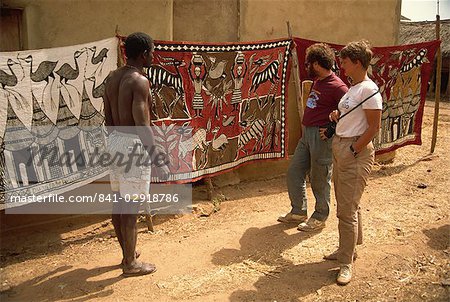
(54, 23)
(324, 20)
(205, 20)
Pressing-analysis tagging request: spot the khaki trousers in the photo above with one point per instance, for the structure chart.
(350, 175)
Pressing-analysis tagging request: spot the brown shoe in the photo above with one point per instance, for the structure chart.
(334, 256)
(292, 218)
(311, 226)
(345, 274)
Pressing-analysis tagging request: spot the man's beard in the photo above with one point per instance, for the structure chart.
(312, 73)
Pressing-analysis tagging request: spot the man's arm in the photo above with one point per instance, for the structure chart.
(141, 116)
(107, 108)
(141, 112)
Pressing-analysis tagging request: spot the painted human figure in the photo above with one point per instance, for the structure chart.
(238, 74)
(197, 73)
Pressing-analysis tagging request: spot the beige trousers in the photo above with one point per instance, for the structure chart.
(350, 175)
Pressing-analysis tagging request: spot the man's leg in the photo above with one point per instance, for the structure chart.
(117, 206)
(299, 166)
(117, 223)
(321, 165)
(132, 267)
(130, 214)
(135, 182)
(116, 220)
(129, 233)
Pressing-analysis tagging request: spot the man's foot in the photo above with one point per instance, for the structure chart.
(312, 225)
(137, 253)
(345, 274)
(334, 256)
(139, 269)
(291, 218)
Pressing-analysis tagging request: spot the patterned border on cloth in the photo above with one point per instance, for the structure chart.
(402, 73)
(228, 102)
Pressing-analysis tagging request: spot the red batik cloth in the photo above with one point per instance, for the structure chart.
(218, 106)
(402, 74)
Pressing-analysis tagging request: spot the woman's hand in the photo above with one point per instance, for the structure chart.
(334, 115)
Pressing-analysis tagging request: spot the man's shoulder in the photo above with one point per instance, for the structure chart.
(337, 80)
(335, 83)
(134, 80)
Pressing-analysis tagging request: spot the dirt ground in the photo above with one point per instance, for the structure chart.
(241, 253)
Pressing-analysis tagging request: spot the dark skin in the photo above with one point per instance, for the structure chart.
(127, 103)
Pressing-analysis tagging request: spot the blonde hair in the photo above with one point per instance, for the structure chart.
(358, 51)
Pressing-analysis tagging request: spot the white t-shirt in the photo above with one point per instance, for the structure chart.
(355, 123)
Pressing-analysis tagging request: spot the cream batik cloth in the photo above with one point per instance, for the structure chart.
(51, 99)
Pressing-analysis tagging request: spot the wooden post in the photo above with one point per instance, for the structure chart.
(149, 222)
(437, 91)
(447, 90)
(120, 61)
(209, 188)
(295, 72)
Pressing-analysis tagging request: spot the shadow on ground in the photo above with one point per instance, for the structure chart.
(266, 246)
(64, 283)
(438, 237)
(293, 283)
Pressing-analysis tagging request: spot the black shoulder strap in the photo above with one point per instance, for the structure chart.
(360, 103)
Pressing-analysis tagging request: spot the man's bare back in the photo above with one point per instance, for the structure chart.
(122, 86)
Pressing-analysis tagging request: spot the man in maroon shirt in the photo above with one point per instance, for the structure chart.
(313, 154)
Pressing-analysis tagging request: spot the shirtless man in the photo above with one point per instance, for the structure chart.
(127, 110)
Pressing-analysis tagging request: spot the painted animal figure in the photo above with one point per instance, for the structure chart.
(418, 60)
(217, 70)
(270, 73)
(160, 76)
(219, 143)
(67, 72)
(8, 79)
(99, 91)
(44, 70)
(254, 131)
(196, 141)
(15, 84)
(102, 55)
(219, 150)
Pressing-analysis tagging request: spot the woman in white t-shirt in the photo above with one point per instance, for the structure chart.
(353, 152)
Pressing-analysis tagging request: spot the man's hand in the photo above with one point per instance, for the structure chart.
(322, 134)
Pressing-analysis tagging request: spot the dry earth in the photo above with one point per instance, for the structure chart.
(241, 253)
